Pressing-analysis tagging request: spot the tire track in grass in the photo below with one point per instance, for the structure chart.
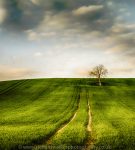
(75, 133)
(71, 119)
(89, 128)
(67, 123)
(62, 126)
(89, 142)
(12, 87)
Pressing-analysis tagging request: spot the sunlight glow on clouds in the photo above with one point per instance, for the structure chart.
(3, 13)
(7, 72)
(36, 2)
(38, 54)
(87, 9)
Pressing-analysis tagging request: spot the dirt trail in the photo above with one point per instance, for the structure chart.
(89, 144)
(89, 128)
(64, 126)
(67, 123)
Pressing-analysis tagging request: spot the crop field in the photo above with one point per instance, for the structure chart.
(71, 113)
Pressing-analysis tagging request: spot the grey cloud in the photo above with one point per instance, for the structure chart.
(21, 15)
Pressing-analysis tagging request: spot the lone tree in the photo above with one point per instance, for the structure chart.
(99, 72)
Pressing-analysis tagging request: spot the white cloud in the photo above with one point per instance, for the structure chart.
(32, 35)
(87, 9)
(37, 35)
(48, 34)
(36, 2)
(123, 10)
(38, 54)
(110, 3)
(3, 14)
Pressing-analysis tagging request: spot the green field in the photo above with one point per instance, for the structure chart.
(38, 113)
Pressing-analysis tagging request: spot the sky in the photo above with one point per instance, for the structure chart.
(66, 38)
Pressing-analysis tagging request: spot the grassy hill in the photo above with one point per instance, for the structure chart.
(33, 111)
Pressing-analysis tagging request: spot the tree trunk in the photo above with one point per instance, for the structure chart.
(99, 81)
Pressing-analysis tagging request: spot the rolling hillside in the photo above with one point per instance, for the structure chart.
(43, 112)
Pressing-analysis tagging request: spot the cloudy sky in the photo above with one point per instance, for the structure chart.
(66, 38)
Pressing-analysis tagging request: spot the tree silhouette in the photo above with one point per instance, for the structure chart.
(99, 72)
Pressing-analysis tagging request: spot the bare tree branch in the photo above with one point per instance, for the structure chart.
(99, 72)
